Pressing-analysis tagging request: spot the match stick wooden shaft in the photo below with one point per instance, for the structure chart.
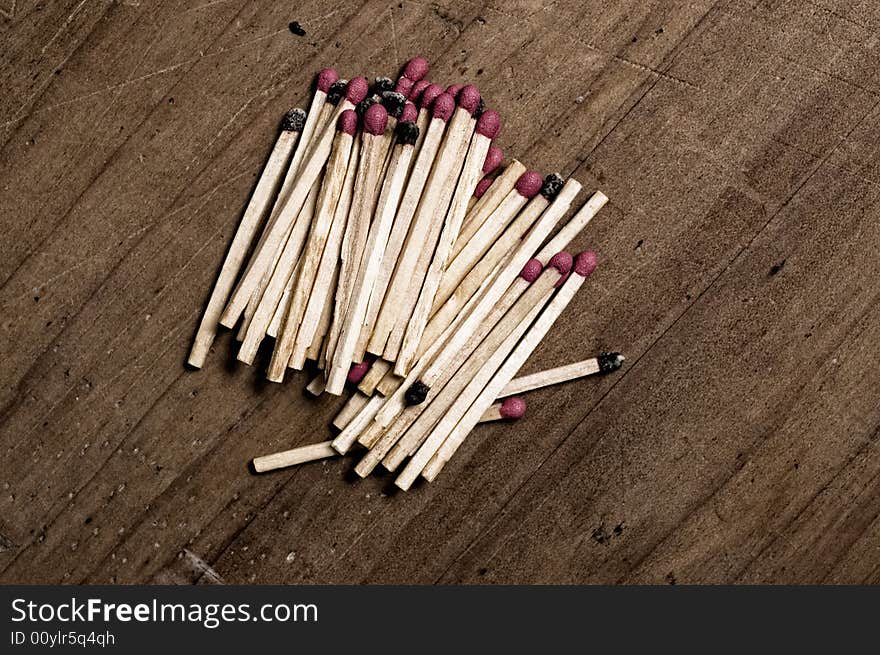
(350, 409)
(316, 348)
(550, 377)
(374, 376)
(492, 414)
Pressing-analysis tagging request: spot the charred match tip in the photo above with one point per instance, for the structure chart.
(481, 107)
(409, 113)
(562, 262)
(469, 99)
(443, 107)
(366, 103)
(415, 93)
(609, 362)
(382, 84)
(416, 68)
(347, 122)
(585, 263)
(513, 408)
(336, 91)
(327, 78)
(357, 90)
(453, 89)
(376, 120)
(532, 270)
(429, 95)
(294, 120)
(493, 159)
(417, 393)
(489, 124)
(407, 133)
(394, 103)
(529, 184)
(357, 371)
(404, 86)
(552, 186)
(483, 186)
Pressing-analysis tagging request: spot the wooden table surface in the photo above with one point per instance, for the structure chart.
(739, 267)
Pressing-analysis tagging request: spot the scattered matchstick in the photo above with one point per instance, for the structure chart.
(509, 409)
(604, 363)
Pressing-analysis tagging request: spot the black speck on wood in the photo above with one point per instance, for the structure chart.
(297, 29)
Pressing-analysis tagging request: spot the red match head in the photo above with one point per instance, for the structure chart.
(348, 122)
(532, 270)
(376, 120)
(443, 107)
(415, 93)
(416, 68)
(483, 186)
(529, 184)
(453, 89)
(357, 90)
(429, 95)
(404, 85)
(585, 263)
(488, 124)
(562, 262)
(409, 113)
(513, 408)
(326, 78)
(469, 99)
(357, 371)
(493, 159)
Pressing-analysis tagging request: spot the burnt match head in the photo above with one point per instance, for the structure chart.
(376, 120)
(552, 186)
(489, 124)
(481, 107)
(609, 362)
(347, 122)
(403, 86)
(393, 103)
(562, 262)
(293, 121)
(585, 263)
(513, 408)
(416, 68)
(443, 107)
(326, 79)
(336, 91)
(453, 89)
(407, 133)
(357, 90)
(417, 393)
(469, 99)
(409, 113)
(366, 103)
(493, 160)
(357, 371)
(415, 93)
(382, 84)
(532, 270)
(529, 184)
(483, 186)
(429, 95)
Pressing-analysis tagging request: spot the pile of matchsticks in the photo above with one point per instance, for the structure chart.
(383, 244)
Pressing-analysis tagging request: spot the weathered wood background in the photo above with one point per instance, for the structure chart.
(737, 140)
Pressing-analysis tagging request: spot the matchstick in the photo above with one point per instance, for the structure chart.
(416, 69)
(584, 266)
(273, 240)
(357, 372)
(493, 160)
(399, 240)
(494, 157)
(328, 198)
(481, 188)
(487, 128)
(378, 371)
(350, 409)
(509, 409)
(292, 127)
(604, 363)
(372, 256)
(404, 86)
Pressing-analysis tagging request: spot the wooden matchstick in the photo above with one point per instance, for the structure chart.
(273, 240)
(604, 363)
(509, 409)
(487, 128)
(372, 256)
(494, 157)
(491, 197)
(292, 128)
(584, 266)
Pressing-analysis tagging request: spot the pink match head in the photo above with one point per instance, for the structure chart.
(357, 371)
(483, 186)
(529, 184)
(562, 262)
(585, 263)
(469, 99)
(416, 68)
(429, 95)
(443, 107)
(357, 90)
(326, 78)
(348, 122)
(376, 120)
(409, 113)
(488, 124)
(415, 93)
(493, 159)
(453, 89)
(513, 408)
(404, 85)
(532, 270)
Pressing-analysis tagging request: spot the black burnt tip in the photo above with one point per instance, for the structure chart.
(481, 107)
(393, 103)
(383, 84)
(366, 103)
(294, 120)
(552, 186)
(407, 133)
(417, 393)
(336, 91)
(609, 362)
